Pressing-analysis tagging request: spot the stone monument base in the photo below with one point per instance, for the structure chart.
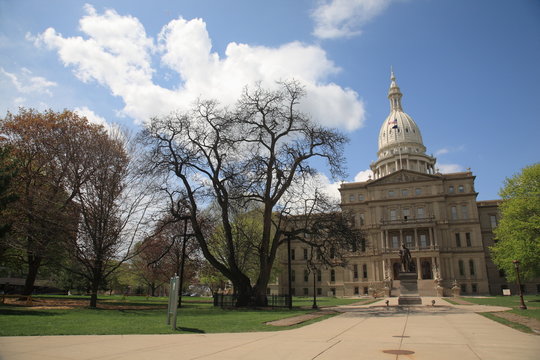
(408, 289)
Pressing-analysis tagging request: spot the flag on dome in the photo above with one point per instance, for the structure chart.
(393, 123)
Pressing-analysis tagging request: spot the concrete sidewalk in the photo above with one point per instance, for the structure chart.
(361, 332)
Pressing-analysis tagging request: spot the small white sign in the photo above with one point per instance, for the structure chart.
(506, 292)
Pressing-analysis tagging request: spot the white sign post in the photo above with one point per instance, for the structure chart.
(172, 308)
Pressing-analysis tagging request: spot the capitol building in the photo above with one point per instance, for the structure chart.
(409, 201)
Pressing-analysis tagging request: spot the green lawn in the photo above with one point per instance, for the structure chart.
(196, 316)
(532, 302)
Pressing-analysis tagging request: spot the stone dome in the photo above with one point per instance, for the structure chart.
(406, 132)
(400, 141)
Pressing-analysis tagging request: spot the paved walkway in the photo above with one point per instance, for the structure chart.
(373, 331)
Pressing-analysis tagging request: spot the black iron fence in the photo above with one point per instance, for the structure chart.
(273, 301)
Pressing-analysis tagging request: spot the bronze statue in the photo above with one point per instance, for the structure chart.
(406, 259)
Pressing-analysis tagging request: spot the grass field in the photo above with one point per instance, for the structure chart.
(532, 302)
(196, 316)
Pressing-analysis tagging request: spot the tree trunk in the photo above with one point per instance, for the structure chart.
(34, 263)
(243, 293)
(94, 292)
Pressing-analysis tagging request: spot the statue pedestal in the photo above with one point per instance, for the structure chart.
(408, 289)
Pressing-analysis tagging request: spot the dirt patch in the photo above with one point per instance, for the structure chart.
(523, 320)
(66, 304)
(299, 319)
(460, 301)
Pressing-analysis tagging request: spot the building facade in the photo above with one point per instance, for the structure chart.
(408, 201)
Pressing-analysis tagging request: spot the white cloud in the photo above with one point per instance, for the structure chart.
(117, 54)
(449, 168)
(91, 116)
(343, 18)
(447, 150)
(442, 151)
(363, 175)
(26, 83)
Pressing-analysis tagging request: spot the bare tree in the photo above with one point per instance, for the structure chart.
(232, 160)
(113, 206)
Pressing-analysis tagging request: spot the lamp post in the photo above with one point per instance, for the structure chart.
(289, 271)
(516, 265)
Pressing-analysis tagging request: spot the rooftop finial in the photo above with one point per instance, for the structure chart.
(392, 76)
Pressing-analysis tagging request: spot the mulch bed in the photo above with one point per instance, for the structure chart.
(46, 303)
(523, 320)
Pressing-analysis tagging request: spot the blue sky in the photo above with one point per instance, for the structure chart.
(469, 69)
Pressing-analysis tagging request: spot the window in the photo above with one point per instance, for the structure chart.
(351, 198)
(468, 239)
(493, 221)
(458, 240)
(319, 291)
(420, 213)
(451, 189)
(471, 266)
(461, 268)
(332, 252)
(356, 290)
(355, 271)
(395, 242)
(332, 275)
(363, 245)
(461, 189)
(293, 275)
(364, 271)
(408, 241)
(393, 215)
(474, 288)
(333, 290)
(306, 275)
(464, 288)
(418, 191)
(305, 254)
(361, 197)
(366, 290)
(305, 291)
(464, 212)
(292, 254)
(405, 213)
(319, 275)
(423, 240)
(391, 193)
(453, 213)
(404, 192)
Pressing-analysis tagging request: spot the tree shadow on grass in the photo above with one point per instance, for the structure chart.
(192, 330)
(25, 312)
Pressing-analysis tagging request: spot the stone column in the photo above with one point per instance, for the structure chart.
(386, 239)
(418, 269)
(431, 241)
(382, 241)
(416, 239)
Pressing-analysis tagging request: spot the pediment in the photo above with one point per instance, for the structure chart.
(404, 176)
